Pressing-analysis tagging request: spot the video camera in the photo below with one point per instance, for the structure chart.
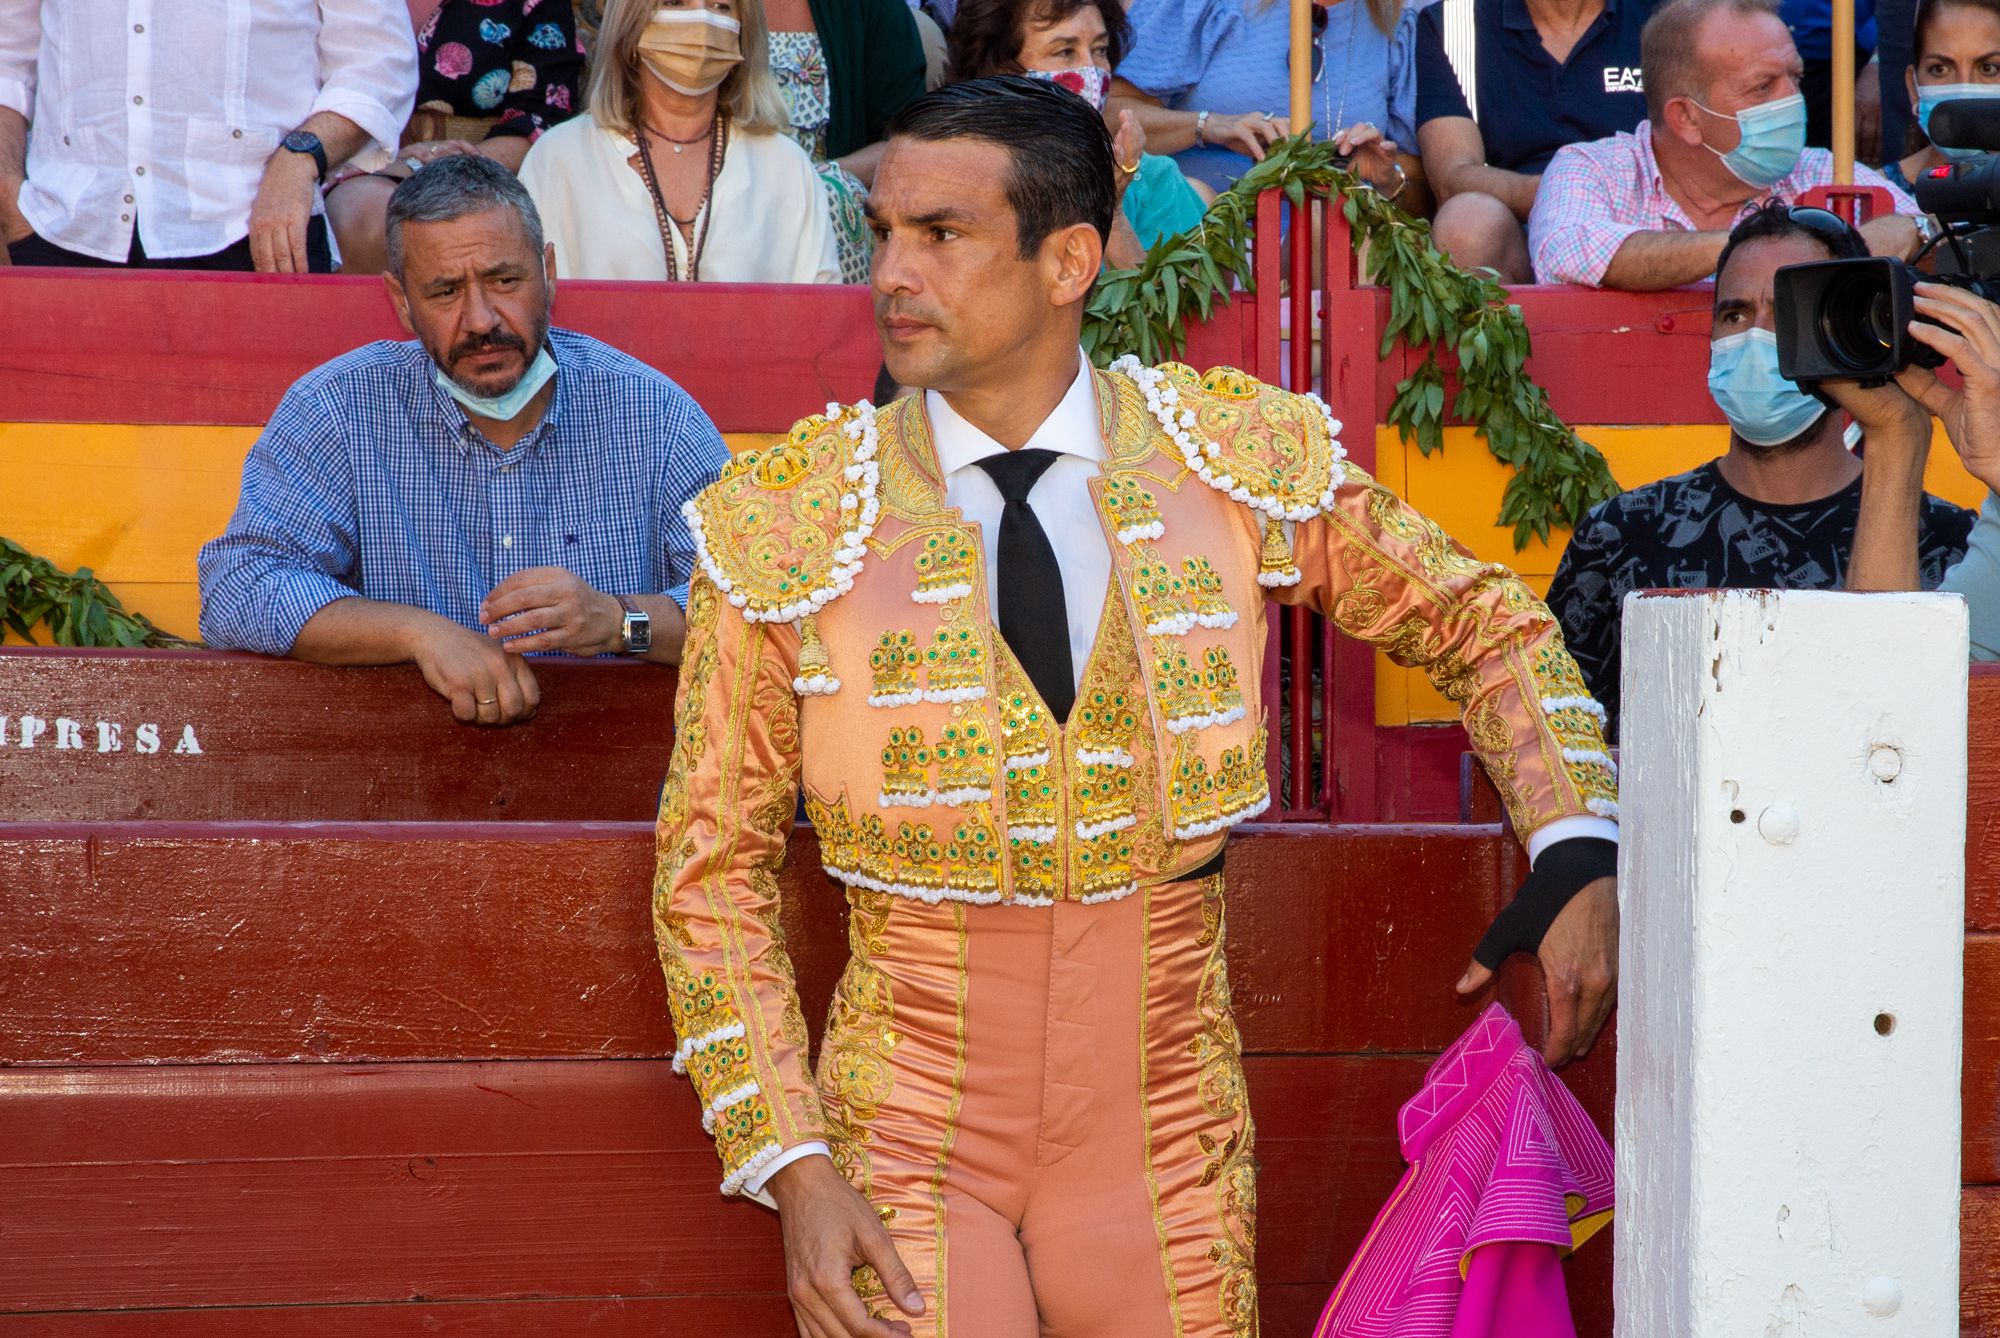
(1848, 320)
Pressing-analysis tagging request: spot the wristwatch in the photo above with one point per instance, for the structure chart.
(638, 630)
(305, 141)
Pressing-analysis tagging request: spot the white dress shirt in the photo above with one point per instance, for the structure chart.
(770, 219)
(1060, 498)
(161, 114)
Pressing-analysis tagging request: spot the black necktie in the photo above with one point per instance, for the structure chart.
(1033, 617)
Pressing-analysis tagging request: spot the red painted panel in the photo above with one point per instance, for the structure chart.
(156, 942)
(282, 741)
(737, 1316)
(1982, 814)
(158, 347)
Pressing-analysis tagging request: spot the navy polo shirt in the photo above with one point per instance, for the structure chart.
(1529, 106)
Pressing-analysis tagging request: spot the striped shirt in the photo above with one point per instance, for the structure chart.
(370, 481)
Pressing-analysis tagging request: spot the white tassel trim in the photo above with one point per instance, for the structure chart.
(1163, 400)
(1112, 757)
(1208, 720)
(1603, 808)
(862, 502)
(1589, 757)
(1132, 534)
(816, 687)
(889, 699)
(941, 595)
(1113, 894)
(1551, 705)
(1227, 820)
(734, 1182)
(1219, 621)
(964, 795)
(929, 895)
(1033, 901)
(685, 1050)
(946, 696)
(1040, 836)
(1275, 580)
(1180, 624)
(1088, 831)
(740, 1093)
(941, 798)
(1028, 761)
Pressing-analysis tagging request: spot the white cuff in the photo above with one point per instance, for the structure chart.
(754, 1186)
(1564, 829)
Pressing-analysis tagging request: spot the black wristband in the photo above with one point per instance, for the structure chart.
(1565, 869)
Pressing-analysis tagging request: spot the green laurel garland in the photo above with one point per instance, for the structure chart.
(1557, 476)
(80, 610)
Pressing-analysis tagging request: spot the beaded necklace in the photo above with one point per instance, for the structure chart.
(703, 214)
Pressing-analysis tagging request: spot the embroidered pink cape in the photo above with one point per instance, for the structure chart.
(1507, 1175)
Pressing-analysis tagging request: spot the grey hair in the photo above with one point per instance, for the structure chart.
(448, 188)
(1668, 48)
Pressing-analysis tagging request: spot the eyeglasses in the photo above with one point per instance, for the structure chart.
(1319, 44)
(1824, 224)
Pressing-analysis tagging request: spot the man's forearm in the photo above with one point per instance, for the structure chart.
(13, 152)
(1892, 495)
(1167, 130)
(1516, 190)
(340, 137)
(358, 631)
(1649, 261)
(669, 627)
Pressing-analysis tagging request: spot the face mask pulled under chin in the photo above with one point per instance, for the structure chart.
(1762, 407)
(691, 50)
(1088, 82)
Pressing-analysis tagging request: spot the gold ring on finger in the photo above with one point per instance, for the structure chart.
(487, 701)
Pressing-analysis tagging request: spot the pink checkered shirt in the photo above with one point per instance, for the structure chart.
(1596, 194)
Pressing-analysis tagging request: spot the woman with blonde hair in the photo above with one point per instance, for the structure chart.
(680, 169)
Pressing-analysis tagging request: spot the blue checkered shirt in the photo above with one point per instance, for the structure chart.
(369, 481)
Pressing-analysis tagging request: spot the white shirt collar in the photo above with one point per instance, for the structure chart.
(1071, 428)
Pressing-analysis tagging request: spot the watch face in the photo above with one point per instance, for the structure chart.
(638, 633)
(298, 141)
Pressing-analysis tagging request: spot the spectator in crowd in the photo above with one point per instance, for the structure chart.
(1811, 25)
(491, 77)
(1503, 84)
(1957, 51)
(681, 169)
(845, 68)
(1726, 129)
(1207, 77)
(492, 489)
(1890, 543)
(1778, 510)
(1075, 44)
(191, 136)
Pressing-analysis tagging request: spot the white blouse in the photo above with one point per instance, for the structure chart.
(770, 221)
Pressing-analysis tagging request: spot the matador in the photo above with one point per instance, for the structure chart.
(1008, 637)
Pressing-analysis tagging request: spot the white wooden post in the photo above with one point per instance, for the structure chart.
(1789, 1036)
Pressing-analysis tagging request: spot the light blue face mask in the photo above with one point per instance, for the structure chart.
(1773, 137)
(503, 408)
(1762, 407)
(1928, 97)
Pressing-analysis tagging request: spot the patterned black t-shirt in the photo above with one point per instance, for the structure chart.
(1694, 531)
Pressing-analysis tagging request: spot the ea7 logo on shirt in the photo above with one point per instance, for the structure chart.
(1623, 79)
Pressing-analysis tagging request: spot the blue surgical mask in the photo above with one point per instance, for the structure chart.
(1928, 97)
(1773, 137)
(502, 408)
(1763, 407)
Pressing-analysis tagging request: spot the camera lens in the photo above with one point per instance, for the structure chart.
(1857, 320)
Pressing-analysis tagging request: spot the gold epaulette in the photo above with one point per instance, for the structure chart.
(1275, 451)
(783, 531)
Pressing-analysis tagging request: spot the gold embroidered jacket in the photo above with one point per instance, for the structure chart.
(840, 640)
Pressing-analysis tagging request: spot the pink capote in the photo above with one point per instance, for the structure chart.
(1507, 1175)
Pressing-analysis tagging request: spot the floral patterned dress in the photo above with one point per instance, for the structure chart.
(800, 66)
(516, 63)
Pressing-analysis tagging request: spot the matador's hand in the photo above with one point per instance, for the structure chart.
(829, 1232)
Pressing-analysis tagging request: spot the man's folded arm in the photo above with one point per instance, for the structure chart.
(732, 789)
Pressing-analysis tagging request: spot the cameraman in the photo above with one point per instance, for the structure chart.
(1897, 421)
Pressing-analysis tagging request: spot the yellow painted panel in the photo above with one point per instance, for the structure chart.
(134, 503)
(1460, 488)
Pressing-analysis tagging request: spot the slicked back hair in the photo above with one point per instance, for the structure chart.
(1668, 51)
(1773, 219)
(1062, 165)
(448, 188)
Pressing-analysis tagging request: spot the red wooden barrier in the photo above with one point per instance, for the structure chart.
(199, 736)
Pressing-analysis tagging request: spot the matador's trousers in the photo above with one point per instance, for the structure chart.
(1046, 1106)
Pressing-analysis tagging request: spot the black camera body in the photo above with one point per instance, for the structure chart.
(1849, 320)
